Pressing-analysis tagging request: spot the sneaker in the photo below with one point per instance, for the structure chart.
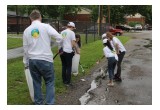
(69, 85)
(110, 84)
(118, 79)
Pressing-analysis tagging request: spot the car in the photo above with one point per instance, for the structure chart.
(117, 32)
(124, 27)
(138, 27)
(149, 27)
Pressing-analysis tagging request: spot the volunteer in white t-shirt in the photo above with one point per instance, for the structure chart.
(69, 42)
(112, 57)
(120, 50)
(38, 56)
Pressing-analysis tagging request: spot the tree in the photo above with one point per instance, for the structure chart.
(94, 13)
(145, 10)
(52, 11)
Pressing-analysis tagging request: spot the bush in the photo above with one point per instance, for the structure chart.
(132, 24)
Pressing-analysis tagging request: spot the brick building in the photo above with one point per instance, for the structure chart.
(83, 15)
(136, 18)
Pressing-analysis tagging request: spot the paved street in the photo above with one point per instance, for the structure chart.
(136, 85)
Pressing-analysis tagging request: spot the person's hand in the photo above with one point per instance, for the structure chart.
(60, 51)
(26, 66)
(78, 52)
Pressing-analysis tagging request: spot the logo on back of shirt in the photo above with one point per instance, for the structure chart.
(64, 34)
(35, 33)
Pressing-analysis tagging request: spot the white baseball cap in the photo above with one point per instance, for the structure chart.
(104, 35)
(105, 41)
(71, 24)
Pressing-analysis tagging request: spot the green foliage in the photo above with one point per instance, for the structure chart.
(132, 24)
(144, 10)
(94, 13)
(51, 11)
(117, 12)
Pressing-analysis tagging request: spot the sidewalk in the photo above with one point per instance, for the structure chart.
(18, 52)
(14, 53)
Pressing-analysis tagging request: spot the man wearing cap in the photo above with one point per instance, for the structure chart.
(69, 42)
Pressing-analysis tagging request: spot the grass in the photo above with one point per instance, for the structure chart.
(90, 38)
(17, 42)
(17, 90)
(14, 35)
(14, 43)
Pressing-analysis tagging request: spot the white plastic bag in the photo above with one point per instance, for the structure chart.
(29, 83)
(75, 64)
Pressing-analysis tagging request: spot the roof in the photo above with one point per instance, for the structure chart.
(84, 11)
(137, 15)
(13, 13)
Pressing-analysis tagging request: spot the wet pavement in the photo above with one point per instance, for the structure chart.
(136, 85)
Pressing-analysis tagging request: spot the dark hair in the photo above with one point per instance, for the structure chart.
(109, 45)
(79, 42)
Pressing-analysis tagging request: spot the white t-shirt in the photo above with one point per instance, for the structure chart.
(37, 41)
(109, 53)
(115, 41)
(68, 37)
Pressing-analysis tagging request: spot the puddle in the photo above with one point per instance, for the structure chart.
(87, 96)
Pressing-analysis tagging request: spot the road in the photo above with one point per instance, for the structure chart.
(136, 85)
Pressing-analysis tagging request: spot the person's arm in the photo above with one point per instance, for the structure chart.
(116, 45)
(73, 41)
(75, 46)
(53, 33)
(25, 48)
(117, 48)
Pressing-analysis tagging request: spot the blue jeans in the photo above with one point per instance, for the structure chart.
(39, 69)
(111, 66)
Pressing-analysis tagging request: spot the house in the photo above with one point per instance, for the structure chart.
(136, 18)
(17, 23)
(83, 15)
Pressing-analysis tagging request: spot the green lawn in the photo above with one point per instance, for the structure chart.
(17, 90)
(14, 43)
(17, 42)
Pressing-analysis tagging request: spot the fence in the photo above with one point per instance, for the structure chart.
(87, 30)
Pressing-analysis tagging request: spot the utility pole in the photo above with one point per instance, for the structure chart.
(109, 14)
(17, 19)
(100, 13)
